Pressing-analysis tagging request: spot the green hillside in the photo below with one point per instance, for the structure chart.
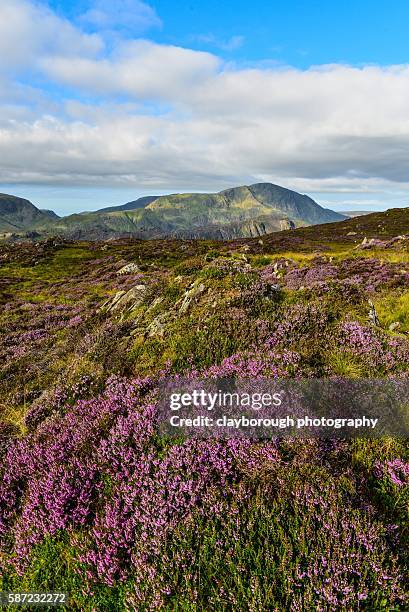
(247, 211)
(18, 214)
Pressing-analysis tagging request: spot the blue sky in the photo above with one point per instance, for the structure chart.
(103, 101)
(296, 32)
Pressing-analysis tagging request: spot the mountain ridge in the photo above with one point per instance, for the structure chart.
(133, 205)
(242, 211)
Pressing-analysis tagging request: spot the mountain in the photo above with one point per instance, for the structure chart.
(18, 214)
(356, 213)
(239, 212)
(245, 211)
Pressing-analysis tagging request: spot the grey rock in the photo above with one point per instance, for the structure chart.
(130, 268)
(190, 296)
(371, 243)
(155, 303)
(126, 299)
(286, 224)
(158, 325)
(373, 315)
(112, 301)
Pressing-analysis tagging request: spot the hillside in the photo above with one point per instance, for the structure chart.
(243, 211)
(96, 501)
(18, 214)
(135, 204)
(381, 226)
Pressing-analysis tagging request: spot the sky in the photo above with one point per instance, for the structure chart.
(103, 101)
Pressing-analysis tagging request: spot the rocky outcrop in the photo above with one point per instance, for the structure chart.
(126, 300)
(158, 326)
(286, 224)
(190, 296)
(376, 243)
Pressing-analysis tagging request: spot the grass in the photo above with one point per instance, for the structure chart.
(392, 308)
(344, 365)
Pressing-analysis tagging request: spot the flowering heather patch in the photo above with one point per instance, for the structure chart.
(97, 472)
(74, 321)
(54, 400)
(304, 322)
(379, 350)
(370, 274)
(258, 364)
(397, 471)
(333, 550)
(227, 266)
(95, 502)
(28, 334)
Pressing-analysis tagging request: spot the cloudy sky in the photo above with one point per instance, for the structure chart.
(102, 101)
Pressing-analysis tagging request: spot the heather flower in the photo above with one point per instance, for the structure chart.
(379, 350)
(396, 470)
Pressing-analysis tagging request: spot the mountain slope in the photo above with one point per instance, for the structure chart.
(384, 226)
(244, 211)
(49, 213)
(18, 214)
(135, 204)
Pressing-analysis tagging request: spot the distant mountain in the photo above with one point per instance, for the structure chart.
(246, 211)
(50, 213)
(18, 214)
(356, 213)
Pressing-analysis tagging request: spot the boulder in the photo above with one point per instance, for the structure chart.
(108, 305)
(130, 268)
(155, 303)
(371, 243)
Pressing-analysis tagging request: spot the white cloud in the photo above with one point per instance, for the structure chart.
(141, 69)
(28, 31)
(169, 117)
(129, 14)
